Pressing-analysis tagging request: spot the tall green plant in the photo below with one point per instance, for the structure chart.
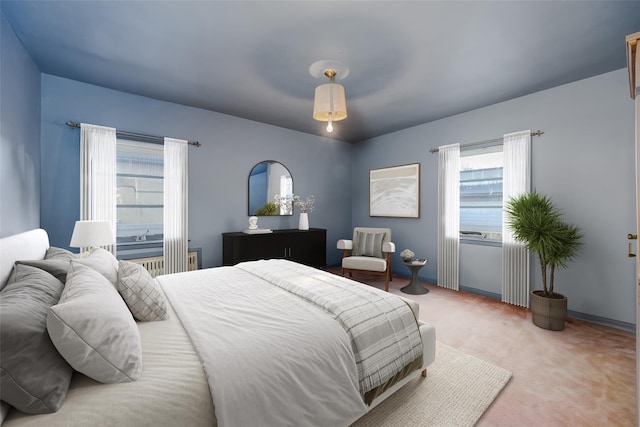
(537, 223)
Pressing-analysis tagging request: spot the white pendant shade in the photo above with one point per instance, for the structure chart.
(329, 102)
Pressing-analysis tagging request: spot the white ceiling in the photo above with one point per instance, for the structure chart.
(409, 62)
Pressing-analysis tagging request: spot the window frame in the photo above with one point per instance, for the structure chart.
(481, 238)
(136, 233)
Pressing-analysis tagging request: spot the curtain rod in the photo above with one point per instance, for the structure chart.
(486, 141)
(135, 135)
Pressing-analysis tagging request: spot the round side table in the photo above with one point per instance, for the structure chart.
(414, 287)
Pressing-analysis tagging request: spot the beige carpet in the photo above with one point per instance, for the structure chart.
(457, 391)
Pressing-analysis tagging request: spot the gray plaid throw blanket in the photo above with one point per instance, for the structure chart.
(383, 330)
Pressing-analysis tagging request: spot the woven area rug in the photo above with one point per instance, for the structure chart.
(457, 391)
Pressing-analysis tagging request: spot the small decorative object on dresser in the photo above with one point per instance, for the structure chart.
(306, 207)
(253, 222)
(253, 227)
(303, 222)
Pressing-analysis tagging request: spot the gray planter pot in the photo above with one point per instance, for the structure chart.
(548, 313)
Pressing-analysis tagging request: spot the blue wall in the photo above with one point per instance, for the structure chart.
(19, 136)
(584, 161)
(218, 171)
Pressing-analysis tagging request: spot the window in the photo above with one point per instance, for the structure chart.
(140, 191)
(481, 193)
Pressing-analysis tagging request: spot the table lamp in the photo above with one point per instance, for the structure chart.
(90, 234)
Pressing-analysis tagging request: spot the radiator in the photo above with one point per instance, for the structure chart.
(155, 264)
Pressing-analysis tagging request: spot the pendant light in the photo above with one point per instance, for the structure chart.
(329, 104)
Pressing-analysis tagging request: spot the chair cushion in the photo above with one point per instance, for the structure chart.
(368, 244)
(364, 263)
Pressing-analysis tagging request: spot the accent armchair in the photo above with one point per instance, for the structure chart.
(369, 251)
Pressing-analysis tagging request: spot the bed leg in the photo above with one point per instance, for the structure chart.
(424, 373)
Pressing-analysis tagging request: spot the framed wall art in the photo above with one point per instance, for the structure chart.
(395, 191)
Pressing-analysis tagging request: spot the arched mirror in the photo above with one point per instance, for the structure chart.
(266, 180)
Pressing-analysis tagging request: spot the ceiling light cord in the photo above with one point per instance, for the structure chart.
(331, 74)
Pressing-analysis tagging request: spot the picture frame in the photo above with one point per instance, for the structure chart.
(395, 191)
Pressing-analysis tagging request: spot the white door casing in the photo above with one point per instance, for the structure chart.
(633, 64)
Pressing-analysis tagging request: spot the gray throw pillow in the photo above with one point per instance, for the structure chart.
(93, 329)
(58, 267)
(103, 262)
(141, 292)
(4, 410)
(59, 253)
(368, 244)
(34, 378)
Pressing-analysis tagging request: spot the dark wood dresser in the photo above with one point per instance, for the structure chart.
(304, 246)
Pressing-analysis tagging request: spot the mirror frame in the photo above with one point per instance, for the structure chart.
(269, 197)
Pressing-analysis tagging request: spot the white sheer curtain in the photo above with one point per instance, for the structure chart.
(448, 215)
(98, 175)
(516, 180)
(176, 205)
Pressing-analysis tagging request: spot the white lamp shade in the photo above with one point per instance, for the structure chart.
(88, 234)
(329, 98)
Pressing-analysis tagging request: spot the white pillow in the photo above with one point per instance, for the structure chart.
(93, 329)
(103, 262)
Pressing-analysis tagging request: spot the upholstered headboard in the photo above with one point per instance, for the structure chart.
(29, 245)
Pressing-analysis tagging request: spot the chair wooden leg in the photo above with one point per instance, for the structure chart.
(386, 283)
(424, 373)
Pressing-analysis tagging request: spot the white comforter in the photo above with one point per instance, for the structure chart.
(276, 364)
(382, 329)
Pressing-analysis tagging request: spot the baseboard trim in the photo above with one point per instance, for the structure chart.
(617, 324)
(481, 292)
(612, 323)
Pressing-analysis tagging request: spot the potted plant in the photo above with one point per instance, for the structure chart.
(537, 223)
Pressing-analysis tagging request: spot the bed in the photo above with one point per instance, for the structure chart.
(261, 343)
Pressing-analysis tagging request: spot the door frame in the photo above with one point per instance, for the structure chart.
(633, 66)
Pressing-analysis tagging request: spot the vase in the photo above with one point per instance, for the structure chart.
(303, 223)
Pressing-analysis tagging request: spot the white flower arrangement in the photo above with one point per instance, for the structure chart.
(286, 203)
(305, 206)
(407, 254)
